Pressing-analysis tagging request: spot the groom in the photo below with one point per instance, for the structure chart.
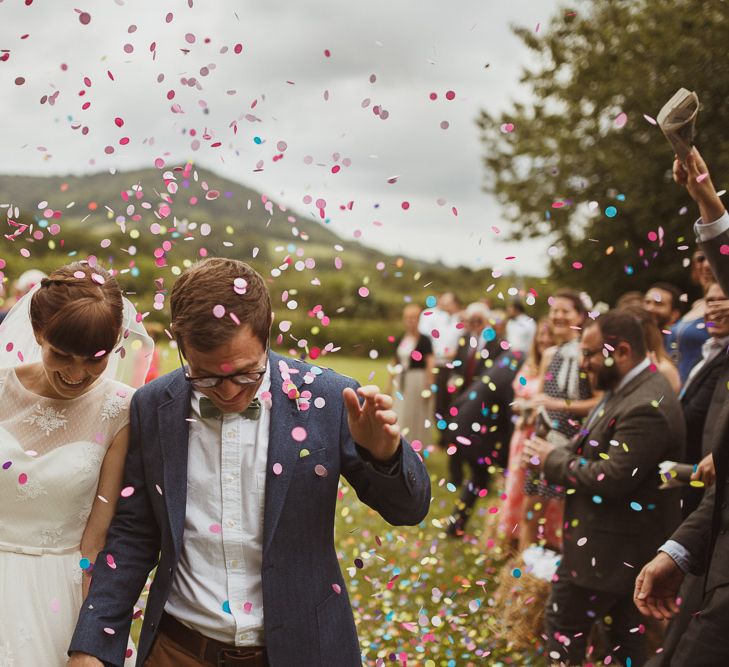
(230, 490)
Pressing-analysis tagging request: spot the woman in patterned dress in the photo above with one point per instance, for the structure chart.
(63, 441)
(526, 384)
(566, 394)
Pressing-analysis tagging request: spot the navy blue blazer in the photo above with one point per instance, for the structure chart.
(306, 622)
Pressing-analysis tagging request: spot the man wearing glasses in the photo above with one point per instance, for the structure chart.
(234, 464)
(615, 514)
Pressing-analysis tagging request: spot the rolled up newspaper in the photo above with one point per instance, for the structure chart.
(677, 120)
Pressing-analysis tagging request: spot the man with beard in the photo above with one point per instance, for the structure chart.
(662, 301)
(615, 515)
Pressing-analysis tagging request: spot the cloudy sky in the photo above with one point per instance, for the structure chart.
(305, 83)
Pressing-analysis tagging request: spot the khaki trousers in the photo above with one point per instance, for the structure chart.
(165, 653)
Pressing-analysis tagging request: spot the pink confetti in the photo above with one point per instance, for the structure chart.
(55, 605)
(216, 528)
(127, 491)
(320, 470)
(621, 119)
(110, 561)
(277, 468)
(219, 311)
(337, 588)
(450, 95)
(363, 292)
(22, 478)
(298, 433)
(84, 18)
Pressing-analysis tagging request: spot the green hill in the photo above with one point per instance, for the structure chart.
(150, 224)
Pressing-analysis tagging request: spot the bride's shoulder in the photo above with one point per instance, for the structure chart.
(117, 396)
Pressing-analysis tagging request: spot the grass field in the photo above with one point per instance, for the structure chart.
(420, 598)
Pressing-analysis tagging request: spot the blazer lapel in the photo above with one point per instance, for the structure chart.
(174, 433)
(282, 448)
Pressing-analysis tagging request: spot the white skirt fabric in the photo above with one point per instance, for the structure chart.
(412, 409)
(41, 596)
(41, 599)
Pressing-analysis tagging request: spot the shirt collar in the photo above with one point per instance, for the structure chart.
(713, 346)
(633, 373)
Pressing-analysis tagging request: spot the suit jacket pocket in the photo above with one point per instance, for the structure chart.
(338, 644)
(306, 464)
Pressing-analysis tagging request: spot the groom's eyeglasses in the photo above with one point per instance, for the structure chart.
(210, 381)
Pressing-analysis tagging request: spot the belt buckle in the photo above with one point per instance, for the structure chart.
(223, 658)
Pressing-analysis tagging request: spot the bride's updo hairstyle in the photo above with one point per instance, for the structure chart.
(79, 310)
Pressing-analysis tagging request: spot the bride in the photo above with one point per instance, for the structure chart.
(63, 439)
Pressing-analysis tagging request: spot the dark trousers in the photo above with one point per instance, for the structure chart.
(691, 594)
(479, 480)
(442, 399)
(571, 612)
(706, 640)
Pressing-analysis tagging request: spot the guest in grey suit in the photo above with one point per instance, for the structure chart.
(615, 514)
(230, 491)
(701, 543)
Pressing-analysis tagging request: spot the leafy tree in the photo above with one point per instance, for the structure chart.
(560, 162)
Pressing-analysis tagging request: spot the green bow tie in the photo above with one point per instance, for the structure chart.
(208, 409)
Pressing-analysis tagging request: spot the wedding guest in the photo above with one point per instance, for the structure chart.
(688, 334)
(696, 399)
(654, 344)
(443, 326)
(478, 343)
(483, 430)
(632, 298)
(699, 546)
(696, 393)
(520, 328)
(413, 378)
(616, 516)
(566, 394)
(525, 386)
(64, 424)
(662, 301)
(477, 347)
(234, 462)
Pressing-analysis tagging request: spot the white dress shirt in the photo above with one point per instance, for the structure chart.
(706, 231)
(520, 332)
(217, 587)
(445, 342)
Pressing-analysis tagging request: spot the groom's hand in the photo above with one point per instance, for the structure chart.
(83, 660)
(373, 424)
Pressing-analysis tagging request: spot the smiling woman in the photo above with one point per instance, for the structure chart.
(77, 317)
(64, 427)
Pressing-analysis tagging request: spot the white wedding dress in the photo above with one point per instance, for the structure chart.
(50, 457)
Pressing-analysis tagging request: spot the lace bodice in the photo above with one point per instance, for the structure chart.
(51, 452)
